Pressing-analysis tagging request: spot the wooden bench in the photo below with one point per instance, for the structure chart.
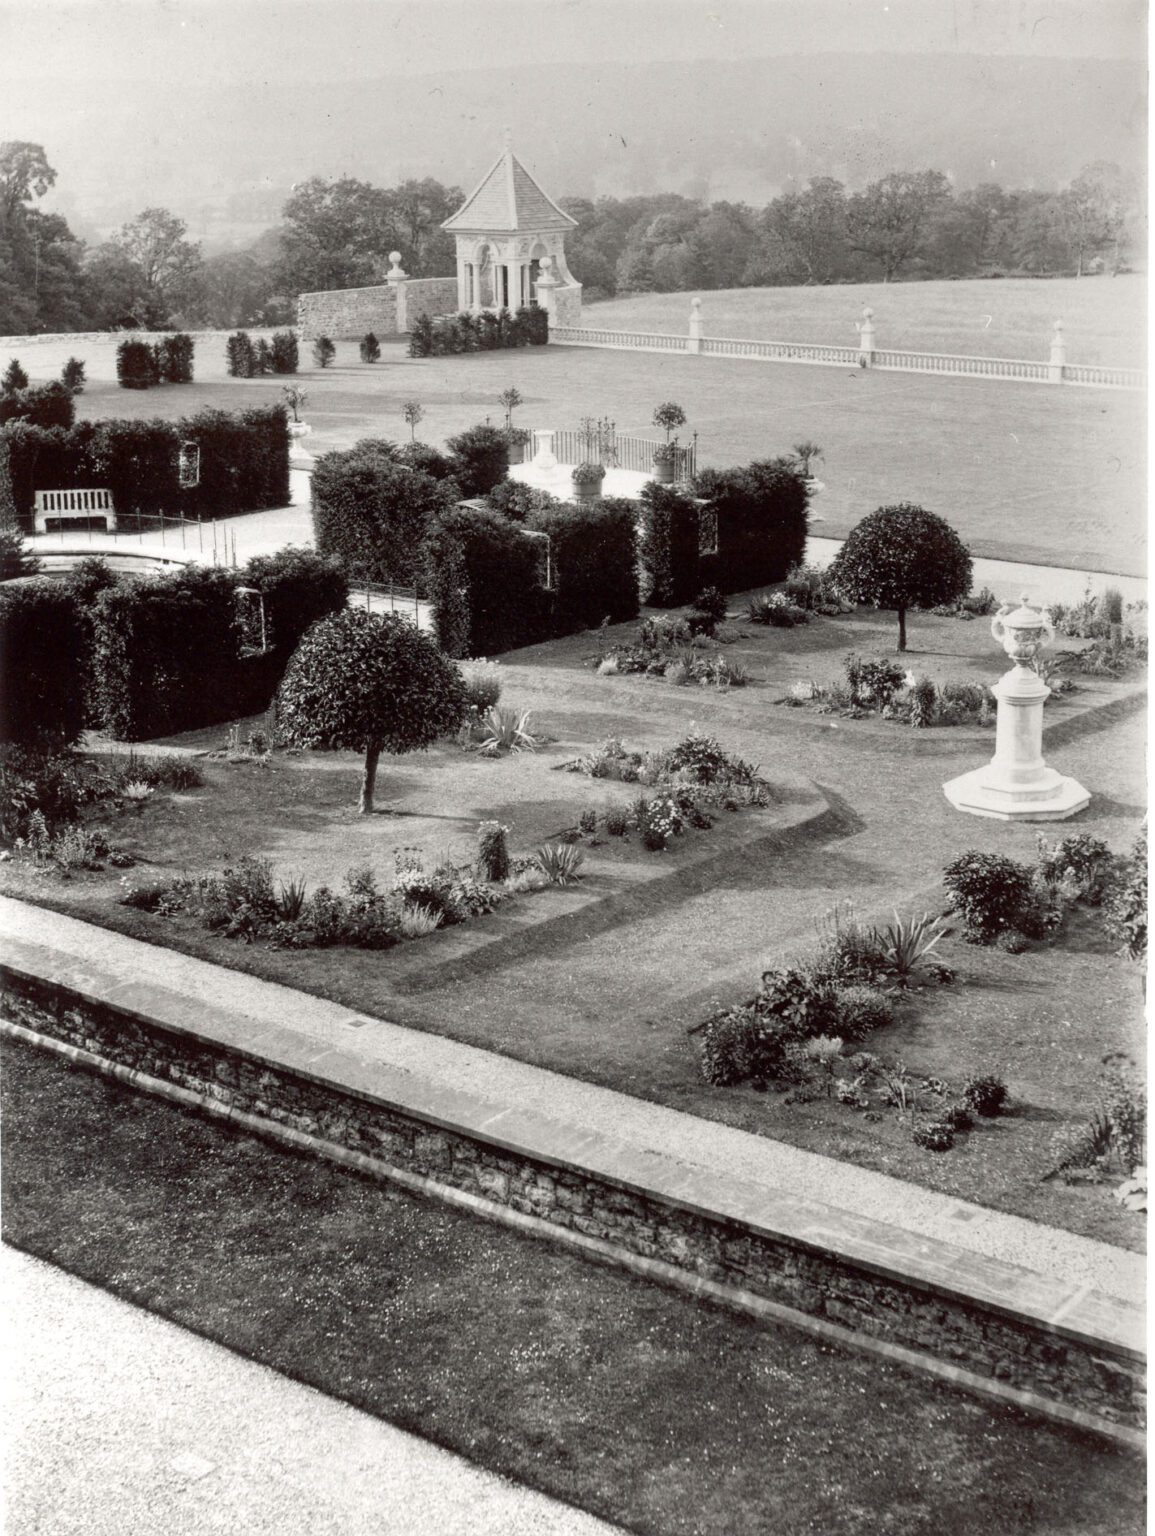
(57, 510)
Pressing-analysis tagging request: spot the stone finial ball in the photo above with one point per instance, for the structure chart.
(395, 257)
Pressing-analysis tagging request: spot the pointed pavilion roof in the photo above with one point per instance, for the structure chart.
(507, 199)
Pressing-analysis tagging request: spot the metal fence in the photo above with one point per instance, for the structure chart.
(214, 539)
(617, 450)
(388, 597)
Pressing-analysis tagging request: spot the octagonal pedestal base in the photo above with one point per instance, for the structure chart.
(1051, 798)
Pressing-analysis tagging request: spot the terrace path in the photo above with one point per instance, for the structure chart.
(535, 1109)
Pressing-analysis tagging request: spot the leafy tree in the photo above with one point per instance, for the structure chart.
(237, 290)
(903, 557)
(154, 242)
(336, 234)
(1093, 212)
(669, 416)
(24, 174)
(806, 231)
(371, 683)
(120, 296)
(417, 210)
(890, 220)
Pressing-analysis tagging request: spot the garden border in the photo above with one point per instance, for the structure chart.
(1050, 1347)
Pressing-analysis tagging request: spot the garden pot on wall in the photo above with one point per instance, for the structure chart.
(587, 482)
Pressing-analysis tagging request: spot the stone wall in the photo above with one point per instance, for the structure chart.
(567, 305)
(1040, 1364)
(387, 309)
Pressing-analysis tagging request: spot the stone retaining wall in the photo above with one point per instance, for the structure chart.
(1094, 1381)
(386, 309)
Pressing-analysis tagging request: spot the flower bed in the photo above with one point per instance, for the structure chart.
(878, 686)
(668, 648)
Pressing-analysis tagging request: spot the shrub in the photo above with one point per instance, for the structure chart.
(373, 516)
(959, 1117)
(861, 1009)
(934, 1136)
(479, 459)
(135, 365)
(986, 1095)
(518, 501)
(990, 892)
(421, 337)
(761, 517)
(368, 683)
(903, 557)
(262, 358)
(560, 862)
(905, 946)
(776, 609)
(323, 351)
(923, 701)
(617, 822)
(1126, 914)
(174, 359)
(806, 1001)
(873, 680)
(483, 684)
(1012, 942)
(72, 376)
(283, 348)
(730, 1047)
(419, 456)
(42, 643)
(49, 405)
(492, 851)
(14, 378)
(370, 348)
(505, 730)
(708, 611)
(1079, 859)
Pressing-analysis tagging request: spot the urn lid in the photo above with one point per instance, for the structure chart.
(1025, 616)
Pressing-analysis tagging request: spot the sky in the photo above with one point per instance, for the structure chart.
(313, 40)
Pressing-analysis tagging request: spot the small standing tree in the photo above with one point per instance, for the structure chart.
(370, 683)
(903, 557)
(510, 399)
(669, 417)
(413, 412)
(323, 351)
(804, 453)
(370, 348)
(14, 378)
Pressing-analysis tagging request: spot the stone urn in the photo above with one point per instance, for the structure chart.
(1016, 785)
(665, 464)
(516, 442)
(299, 429)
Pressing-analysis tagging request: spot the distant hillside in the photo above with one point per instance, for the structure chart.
(224, 157)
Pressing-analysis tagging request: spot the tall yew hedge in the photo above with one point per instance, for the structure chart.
(41, 676)
(244, 462)
(482, 575)
(594, 556)
(762, 523)
(373, 515)
(669, 546)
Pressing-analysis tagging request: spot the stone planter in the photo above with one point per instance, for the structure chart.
(299, 429)
(587, 482)
(664, 468)
(515, 453)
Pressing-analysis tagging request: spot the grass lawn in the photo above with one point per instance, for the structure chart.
(645, 1407)
(604, 982)
(1104, 319)
(1024, 472)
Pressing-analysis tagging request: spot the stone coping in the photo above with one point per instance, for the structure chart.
(663, 1154)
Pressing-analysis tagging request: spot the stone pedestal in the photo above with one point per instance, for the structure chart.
(543, 454)
(1016, 785)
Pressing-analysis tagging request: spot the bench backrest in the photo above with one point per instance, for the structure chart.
(73, 501)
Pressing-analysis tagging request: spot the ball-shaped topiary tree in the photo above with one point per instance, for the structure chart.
(371, 683)
(903, 557)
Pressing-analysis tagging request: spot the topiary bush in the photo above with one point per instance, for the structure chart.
(479, 459)
(42, 643)
(14, 377)
(323, 351)
(284, 351)
(368, 683)
(72, 376)
(991, 893)
(369, 348)
(136, 365)
(492, 851)
(174, 359)
(903, 557)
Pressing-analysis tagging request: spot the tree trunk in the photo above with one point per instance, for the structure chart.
(369, 778)
(902, 629)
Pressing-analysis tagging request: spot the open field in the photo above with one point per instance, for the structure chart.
(640, 1405)
(1025, 472)
(603, 982)
(1104, 318)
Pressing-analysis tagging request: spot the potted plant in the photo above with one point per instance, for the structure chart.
(587, 480)
(804, 453)
(516, 441)
(296, 399)
(669, 416)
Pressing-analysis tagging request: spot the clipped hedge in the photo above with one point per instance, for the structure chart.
(373, 515)
(46, 405)
(244, 465)
(41, 680)
(483, 579)
(299, 587)
(669, 546)
(593, 553)
(448, 335)
(479, 459)
(762, 523)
